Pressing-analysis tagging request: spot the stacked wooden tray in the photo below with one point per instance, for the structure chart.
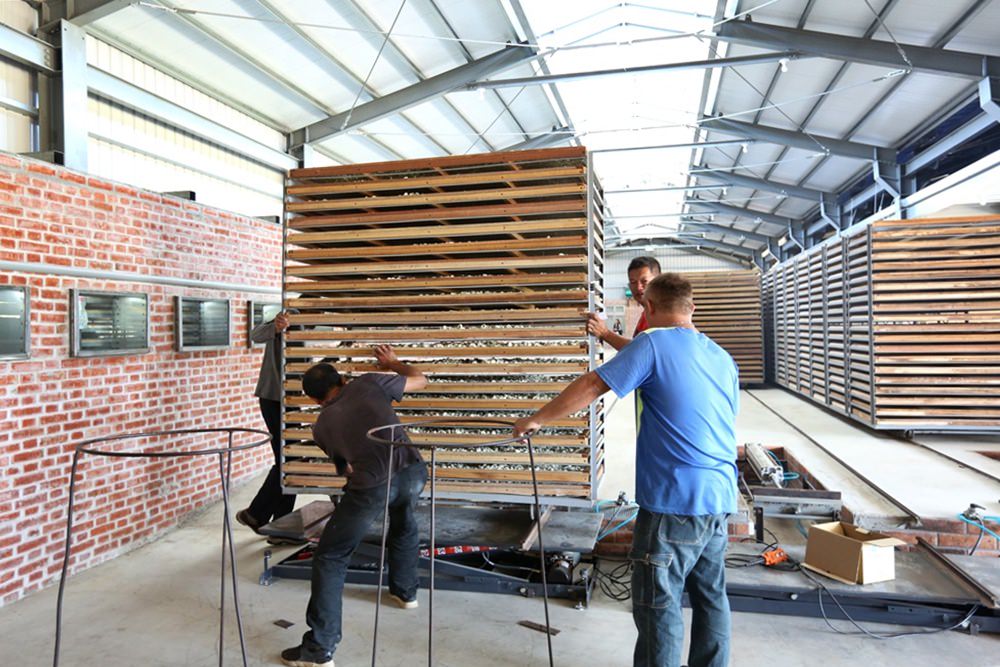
(478, 269)
(728, 310)
(936, 286)
(897, 325)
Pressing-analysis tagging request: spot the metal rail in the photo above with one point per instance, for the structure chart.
(914, 517)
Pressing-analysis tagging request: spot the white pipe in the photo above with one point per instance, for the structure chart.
(128, 276)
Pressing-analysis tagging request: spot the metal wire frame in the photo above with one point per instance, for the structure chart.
(224, 455)
(392, 430)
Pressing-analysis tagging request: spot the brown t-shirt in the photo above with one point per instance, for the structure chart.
(343, 424)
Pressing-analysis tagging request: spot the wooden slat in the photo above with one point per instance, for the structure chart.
(440, 265)
(441, 283)
(448, 248)
(440, 198)
(462, 352)
(460, 299)
(507, 368)
(440, 231)
(450, 180)
(522, 158)
(439, 317)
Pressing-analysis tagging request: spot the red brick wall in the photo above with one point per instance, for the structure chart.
(51, 401)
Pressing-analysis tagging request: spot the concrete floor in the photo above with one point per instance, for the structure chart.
(158, 605)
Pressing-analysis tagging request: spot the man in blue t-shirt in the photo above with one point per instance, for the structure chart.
(687, 390)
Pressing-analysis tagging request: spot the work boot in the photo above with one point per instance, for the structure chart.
(297, 657)
(248, 520)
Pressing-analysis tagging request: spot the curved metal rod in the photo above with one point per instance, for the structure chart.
(227, 537)
(433, 447)
(381, 555)
(541, 547)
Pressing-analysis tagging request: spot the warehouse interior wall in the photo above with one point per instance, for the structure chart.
(617, 306)
(55, 219)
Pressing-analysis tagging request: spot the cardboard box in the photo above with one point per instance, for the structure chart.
(851, 554)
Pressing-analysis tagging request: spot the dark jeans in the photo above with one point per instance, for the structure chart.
(671, 552)
(270, 502)
(350, 522)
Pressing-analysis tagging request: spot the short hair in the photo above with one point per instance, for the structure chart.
(319, 380)
(670, 292)
(644, 262)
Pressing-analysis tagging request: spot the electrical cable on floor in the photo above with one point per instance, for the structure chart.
(615, 583)
(791, 565)
(861, 630)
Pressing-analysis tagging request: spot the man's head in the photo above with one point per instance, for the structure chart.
(641, 270)
(669, 295)
(320, 381)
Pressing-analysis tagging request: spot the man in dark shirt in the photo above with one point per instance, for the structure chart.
(349, 411)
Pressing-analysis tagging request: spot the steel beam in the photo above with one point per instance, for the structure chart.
(989, 97)
(28, 51)
(104, 85)
(556, 136)
(410, 96)
(744, 253)
(62, 99)
(787, 189)
(645, 69)
(726, 209)
(729, 231)
(801, 140)
(856, 49)
(689, 144)
(84, 12)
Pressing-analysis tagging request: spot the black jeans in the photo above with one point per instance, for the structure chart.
(350, 522)
(270, 502)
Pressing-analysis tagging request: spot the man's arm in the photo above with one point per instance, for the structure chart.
(386, 358)
(597, 328)
(266, 331)
(579, 394)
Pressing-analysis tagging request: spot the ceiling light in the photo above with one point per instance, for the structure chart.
(745, 146)
(784, 64)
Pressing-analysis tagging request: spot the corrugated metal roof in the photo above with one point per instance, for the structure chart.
(290, 63)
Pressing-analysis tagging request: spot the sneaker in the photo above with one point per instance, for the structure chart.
(294, 657)
(247, 519)
(403, 603)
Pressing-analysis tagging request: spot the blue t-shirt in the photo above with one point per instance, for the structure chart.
(687, 390)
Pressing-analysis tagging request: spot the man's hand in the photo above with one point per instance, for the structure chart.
(526, 426)
(280, 322)
(385, 356)
(596, 326)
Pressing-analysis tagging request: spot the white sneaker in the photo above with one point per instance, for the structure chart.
(404, 604)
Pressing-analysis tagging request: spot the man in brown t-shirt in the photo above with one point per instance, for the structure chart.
(349, 411)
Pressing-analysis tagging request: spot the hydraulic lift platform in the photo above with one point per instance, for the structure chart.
(931, 589)
(478, 549)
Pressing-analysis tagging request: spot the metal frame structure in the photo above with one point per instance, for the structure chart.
(225, 454)
(387, 436)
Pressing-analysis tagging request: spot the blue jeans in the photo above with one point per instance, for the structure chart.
(350, 522)
(671, 552)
